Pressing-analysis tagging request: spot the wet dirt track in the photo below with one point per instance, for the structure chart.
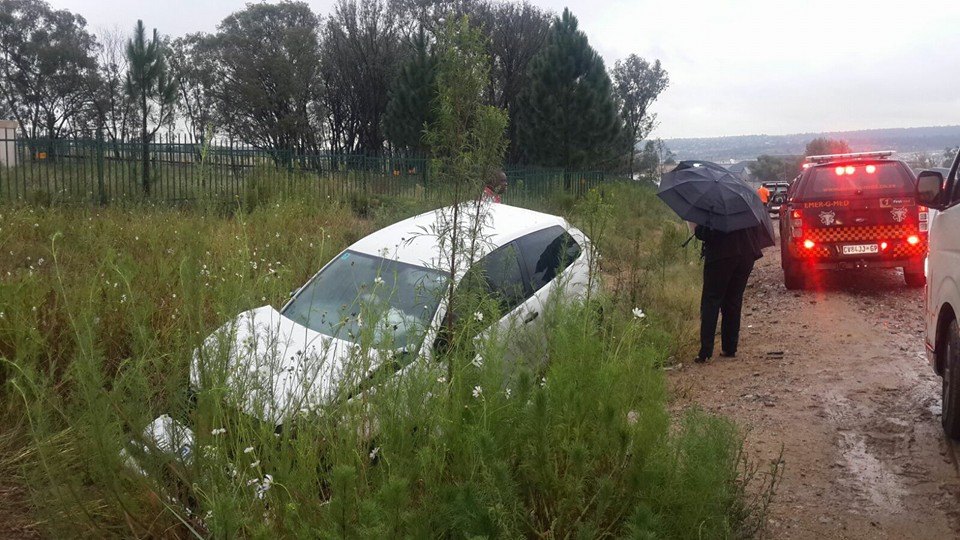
(837, 377)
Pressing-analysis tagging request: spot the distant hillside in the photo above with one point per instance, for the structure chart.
(922, 139)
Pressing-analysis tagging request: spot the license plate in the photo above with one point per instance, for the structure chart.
(859, 249)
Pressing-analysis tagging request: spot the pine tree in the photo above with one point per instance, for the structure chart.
(569, 116)
(410, 107)
(151, 86)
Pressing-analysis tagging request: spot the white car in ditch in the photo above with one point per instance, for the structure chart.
(277, 364)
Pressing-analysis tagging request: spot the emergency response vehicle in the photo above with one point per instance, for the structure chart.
(856, 210)
(942, 313)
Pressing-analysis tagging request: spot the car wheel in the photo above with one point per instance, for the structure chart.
(914, 279)
(950, 417)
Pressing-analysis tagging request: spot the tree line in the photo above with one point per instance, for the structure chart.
(361, 80)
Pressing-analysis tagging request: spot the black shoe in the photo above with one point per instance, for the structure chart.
(725, 354)
(701, 359)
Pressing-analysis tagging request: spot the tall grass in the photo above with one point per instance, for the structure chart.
(103, 309)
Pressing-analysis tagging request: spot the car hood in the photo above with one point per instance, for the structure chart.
(273, 368)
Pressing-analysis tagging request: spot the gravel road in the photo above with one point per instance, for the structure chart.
(837, 378)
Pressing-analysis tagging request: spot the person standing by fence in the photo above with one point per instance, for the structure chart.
(495, 187)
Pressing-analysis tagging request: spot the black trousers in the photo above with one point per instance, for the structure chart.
(724, 281)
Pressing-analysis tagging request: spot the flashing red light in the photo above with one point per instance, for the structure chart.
(883, 246)
(795, 214)
(808, 244)
(849, 169)
(913, 240)
(871, 169)
(839, 171)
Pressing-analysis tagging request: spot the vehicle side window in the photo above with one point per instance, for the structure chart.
(500, 275)
(546, 253)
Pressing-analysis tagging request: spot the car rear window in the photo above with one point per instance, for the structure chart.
(841, 180)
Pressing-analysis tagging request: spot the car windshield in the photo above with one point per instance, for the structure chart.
(878, 179)
(399, 299)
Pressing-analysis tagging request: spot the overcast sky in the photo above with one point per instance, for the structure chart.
(736, 67)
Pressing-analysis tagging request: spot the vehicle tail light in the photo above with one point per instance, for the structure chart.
(795, 214)
(849, 169)
(913, 239)
(871, 169)
(808, 244)
(839, 171)
(884, 246)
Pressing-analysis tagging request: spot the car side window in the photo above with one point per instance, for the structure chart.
(499, 273)
(547, 253)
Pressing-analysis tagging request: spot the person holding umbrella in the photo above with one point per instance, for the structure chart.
(734, 226)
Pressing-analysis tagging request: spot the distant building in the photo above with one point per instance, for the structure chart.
(742, 171)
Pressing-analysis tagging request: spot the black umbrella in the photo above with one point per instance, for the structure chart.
(707, 194)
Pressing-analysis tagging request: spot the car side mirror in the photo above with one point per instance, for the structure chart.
(930, 189)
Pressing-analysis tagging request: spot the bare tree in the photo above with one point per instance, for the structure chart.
(193, 61)
(361, 58)
(517, 32)
(115, 113)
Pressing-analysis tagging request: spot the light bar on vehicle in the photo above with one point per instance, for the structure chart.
(853, 155)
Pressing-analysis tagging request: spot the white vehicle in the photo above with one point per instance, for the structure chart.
(304, 356)
(942, 313)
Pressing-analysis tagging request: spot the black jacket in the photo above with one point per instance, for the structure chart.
(717, 245)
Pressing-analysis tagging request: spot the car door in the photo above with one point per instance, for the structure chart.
(943, 259)
(556, 265)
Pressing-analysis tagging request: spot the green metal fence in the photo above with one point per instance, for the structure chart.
(102, 171)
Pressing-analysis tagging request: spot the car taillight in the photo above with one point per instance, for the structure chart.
(871, 169)
(808, 244)
(913, 240)
(884, 246)
(795, 214)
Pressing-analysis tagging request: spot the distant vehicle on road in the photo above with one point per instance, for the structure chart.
(941, 192)
(855, 210)
(778, 195)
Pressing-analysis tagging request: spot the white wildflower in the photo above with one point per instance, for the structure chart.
(632, 417)
(248, 450)
(378, 281)
(507, 393)
(253, 481)
(374, 452)
(255, 464)
(441, 379)
(478, 316)
(477, 361)
(218, 431)
(477, 391)
(638, 313)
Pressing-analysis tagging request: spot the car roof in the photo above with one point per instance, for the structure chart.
(415, 240)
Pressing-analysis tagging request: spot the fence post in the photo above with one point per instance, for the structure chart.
(102, 194)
